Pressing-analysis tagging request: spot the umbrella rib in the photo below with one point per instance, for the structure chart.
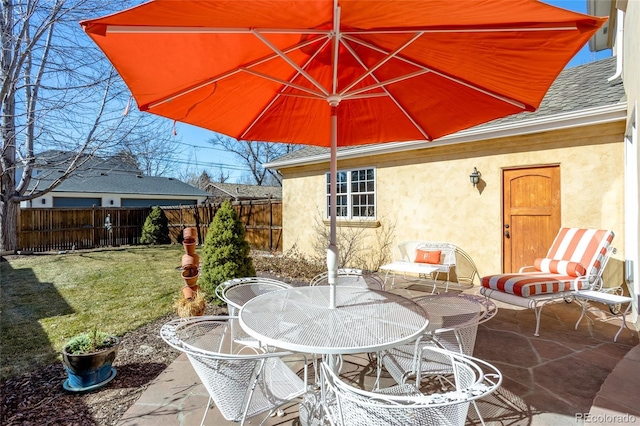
(184, 92)
(290, 62)
(288, 84)
(461, 30)
(393, 99)
(283, 82)
(228, 74)
(139, 29)
(351, 94)
(386, 59)
(443, 75)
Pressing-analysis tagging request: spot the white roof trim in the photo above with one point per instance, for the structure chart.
(584, 117)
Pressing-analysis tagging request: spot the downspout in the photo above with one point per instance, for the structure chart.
(619, 43)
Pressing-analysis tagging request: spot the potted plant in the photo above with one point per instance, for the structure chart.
(87, 358)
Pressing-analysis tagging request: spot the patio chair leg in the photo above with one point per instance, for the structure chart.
(376, 385)
(209, 402)
(475, 406)
(537, 311)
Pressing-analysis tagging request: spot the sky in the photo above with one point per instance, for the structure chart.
(202, 156)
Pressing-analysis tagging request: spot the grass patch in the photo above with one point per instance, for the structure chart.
(47, 299)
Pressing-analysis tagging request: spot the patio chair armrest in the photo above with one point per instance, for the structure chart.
(528, 268)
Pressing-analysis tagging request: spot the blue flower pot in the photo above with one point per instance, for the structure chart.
(89, 371)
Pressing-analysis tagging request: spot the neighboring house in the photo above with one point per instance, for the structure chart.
(238, 192)
(562, 165)
(106, 182)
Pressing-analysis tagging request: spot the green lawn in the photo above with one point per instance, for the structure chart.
(46, 299)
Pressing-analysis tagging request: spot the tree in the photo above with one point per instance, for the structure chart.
(55, 94)
(156, 228)
(154, 148)
(254, 155)
(204, 180)
(225, 251)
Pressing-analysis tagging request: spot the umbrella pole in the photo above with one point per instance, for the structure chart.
(332, 250)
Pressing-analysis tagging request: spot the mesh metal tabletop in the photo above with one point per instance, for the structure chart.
(299, 319)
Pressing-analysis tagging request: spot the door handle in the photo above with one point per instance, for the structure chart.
(506, 232)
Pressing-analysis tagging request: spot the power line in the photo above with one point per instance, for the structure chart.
(202, 147)
(201, 164)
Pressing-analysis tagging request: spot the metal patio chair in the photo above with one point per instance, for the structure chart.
(237, 292)
(250, 288)
(453, 325)
(240, 385)
(445, 402)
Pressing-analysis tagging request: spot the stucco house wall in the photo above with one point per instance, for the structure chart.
(428, 195)
(631, 80)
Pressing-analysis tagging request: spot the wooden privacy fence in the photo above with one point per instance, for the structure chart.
(79, 228)
(83, 228)
(262, 221)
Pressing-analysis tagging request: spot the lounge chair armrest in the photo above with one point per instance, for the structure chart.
(528, 268)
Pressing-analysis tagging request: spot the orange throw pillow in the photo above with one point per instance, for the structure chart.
(423, 256)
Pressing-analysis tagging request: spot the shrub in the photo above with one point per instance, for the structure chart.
(156, 228)
(225, 252)
(89, 342)
(292, 264)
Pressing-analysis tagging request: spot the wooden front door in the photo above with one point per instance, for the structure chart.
(531, 214)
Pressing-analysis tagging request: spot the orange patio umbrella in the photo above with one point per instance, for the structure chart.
(339, 72)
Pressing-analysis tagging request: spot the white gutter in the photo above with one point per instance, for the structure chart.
(619, 45)
(581, 118)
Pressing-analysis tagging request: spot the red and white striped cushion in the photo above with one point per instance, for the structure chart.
(532, 283)
(563, 267)
(584, 246)
(574, 253)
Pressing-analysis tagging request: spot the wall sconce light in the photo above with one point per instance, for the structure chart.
(474, 177)
(111, 202)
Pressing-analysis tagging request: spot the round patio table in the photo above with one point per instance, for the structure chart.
(299, 319)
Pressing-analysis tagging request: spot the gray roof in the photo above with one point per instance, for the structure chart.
(577, 88)
(54, 159)
(243, 191)
(124, 183)
(105, 175)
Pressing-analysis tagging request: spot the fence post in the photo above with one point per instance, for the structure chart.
(94, 237)
(196, 215)
(270, 225)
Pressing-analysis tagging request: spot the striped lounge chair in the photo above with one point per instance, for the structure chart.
(574, 262)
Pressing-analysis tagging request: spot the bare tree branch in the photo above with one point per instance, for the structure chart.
(57, 92)
(254, 155)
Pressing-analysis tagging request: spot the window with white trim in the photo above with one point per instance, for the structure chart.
(356, 194)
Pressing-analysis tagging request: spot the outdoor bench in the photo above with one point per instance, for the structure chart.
(429, 260)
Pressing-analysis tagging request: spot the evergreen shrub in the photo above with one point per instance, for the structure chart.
(156, 228)
(225, 251)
